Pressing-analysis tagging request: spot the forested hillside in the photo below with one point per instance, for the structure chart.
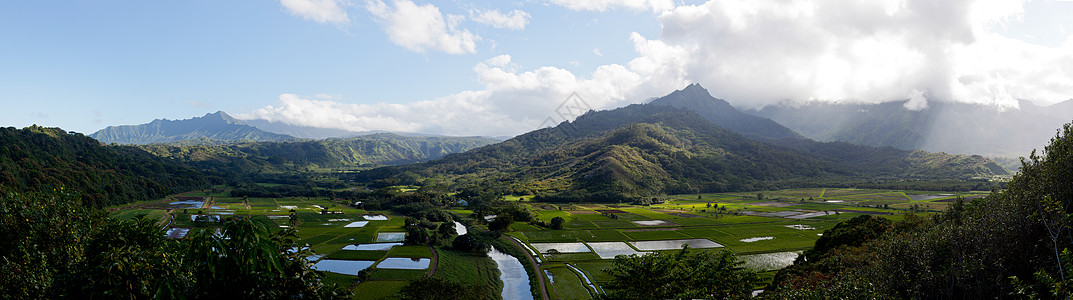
(644, 150)
(357, 152)
(41, 159)
(1015, 243)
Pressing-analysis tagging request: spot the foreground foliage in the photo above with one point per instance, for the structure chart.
(681, 275)
(53, 247)
(1008, 244)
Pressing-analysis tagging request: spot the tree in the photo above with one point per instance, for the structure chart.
(248, 261)
(471, 242)
(501, 223)
(557, 223)
(681, 275)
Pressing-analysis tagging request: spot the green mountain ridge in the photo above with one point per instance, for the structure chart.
(643, 150)
(38, 159)
(214, 128)
(356, 152)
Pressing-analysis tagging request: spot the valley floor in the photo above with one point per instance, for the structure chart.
(766, 229)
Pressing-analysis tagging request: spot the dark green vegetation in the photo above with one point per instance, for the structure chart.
(37, 159)
(1008, 244)
(212, 128)
(682, 275)
(319, 155)
(55, 248)
(637, 152)
(949, 127)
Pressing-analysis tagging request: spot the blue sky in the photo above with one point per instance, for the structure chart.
(502, 67)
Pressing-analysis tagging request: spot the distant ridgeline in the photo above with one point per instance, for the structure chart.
(214, 128)
(40, 159)
(641, 151)
(961, 128)
(356, 152)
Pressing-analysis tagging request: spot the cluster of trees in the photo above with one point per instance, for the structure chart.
(53, 247)
(1013, 243)
(682, 275)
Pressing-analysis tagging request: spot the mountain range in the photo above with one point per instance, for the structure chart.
(218, 127)
(959, 128)
(647, 149)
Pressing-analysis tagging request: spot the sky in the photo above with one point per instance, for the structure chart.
(501, 68)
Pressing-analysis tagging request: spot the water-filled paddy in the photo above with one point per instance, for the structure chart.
(652, 223)
(770, 261)
(372, 247)
(349, 267)
(560, 247)
(460, 229)
(177, 233)
(391, 237)
(187, 204)
(809, 215)
(921, 197)
(800, 227)
(375, 217)
(757, 239)
(674, 244)
(608, 250)
(404, 263)
(357, 224)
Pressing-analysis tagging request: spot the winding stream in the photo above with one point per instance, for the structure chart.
(511, 272)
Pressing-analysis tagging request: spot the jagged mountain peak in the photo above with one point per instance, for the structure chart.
(696, 98)
(210, 128)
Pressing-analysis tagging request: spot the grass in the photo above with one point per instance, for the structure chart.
(410, 251)
(470, 269)
(566, 284)
(379, 289)
(393, 274)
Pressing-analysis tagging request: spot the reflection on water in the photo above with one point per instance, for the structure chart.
(404, 263)
(674, 244)
(187, 204)
(372, 247)
(511, 272)
(349, 267)
(919, 197)
(770, 261)
(460, 229)
(391, 237)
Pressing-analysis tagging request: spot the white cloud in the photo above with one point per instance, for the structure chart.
(420, 28)
(751, 53)
(511, 102)
(320, 11)
(917, 100)
(604, 5)
(597, 52)
(755, 53)
(515, 20)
